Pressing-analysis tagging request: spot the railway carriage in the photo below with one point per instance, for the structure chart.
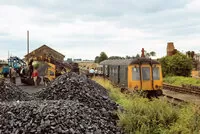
(135, 74)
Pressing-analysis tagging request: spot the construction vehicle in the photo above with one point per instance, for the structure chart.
(14, 62)
(49, 69)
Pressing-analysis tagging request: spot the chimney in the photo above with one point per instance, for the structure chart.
(170, 48)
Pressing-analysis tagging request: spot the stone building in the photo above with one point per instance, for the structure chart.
(43, 51)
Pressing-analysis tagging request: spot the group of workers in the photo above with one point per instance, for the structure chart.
(91, 72)
(32, 71)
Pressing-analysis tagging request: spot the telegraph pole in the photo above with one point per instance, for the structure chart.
(27, 42)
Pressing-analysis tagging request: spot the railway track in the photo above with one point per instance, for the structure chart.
(173, 100)
(185, 89)
(181, 94)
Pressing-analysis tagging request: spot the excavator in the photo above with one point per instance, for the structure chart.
(49, 68)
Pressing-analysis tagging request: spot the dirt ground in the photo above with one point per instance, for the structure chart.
(28, 88)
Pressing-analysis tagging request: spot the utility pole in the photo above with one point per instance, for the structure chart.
(27, 42)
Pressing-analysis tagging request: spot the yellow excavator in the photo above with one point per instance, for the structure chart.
(49, 69)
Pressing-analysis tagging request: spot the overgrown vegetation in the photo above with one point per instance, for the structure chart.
(176, 65)
(142, 116)
(179, 80)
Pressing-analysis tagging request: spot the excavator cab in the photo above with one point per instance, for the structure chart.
(50, 73)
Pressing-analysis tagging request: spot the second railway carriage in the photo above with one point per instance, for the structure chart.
(135, 74)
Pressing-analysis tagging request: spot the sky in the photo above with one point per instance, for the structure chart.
(85, 28)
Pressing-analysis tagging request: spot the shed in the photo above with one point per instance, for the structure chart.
(43, 51)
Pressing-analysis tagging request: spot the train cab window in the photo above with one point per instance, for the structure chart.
(146, 73)
(156, 73)
(135, 73)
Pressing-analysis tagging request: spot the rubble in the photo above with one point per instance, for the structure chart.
(11, 92)
(72, 86)
(55, 116)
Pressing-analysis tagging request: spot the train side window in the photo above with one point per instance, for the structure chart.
(146, 73)
(135, 73)
(156, 73)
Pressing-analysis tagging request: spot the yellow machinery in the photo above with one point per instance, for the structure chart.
(51, 69)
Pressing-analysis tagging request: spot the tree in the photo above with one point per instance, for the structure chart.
(152, 53)
(137, 56)
(101, 58)
(178, 65)
(115, 57)
(146, 54)
(96, 59)
(149, 54)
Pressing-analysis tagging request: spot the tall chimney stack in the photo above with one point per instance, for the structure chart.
(170, 48)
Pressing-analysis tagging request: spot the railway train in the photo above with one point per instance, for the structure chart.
(135, 74)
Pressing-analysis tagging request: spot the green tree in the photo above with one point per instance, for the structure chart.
(96, 59)
(152, 53)
(178, 65)
(137, 56)
(101, 58)
(115, 57)
(149, 54)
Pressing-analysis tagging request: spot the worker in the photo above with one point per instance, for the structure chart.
(30, 67)
(95, 72)
(91, 71)
(35, 76)
(13, 75)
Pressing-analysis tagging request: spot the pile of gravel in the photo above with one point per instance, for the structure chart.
(11, 92)
(55, 116)
(72, 86)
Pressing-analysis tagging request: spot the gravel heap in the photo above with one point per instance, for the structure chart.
(56, 116)
(72, 86)
(11, 92)
(71, 104)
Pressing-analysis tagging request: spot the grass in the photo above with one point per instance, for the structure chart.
(179, 80)
(142, 116)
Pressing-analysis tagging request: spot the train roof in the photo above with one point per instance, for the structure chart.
(116, 62)
(127, 62)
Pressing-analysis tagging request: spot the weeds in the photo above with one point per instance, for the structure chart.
(179, 80)
(142, 116)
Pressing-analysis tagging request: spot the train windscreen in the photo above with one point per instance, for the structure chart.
(146, 73)
(135, 73)
(156, 73)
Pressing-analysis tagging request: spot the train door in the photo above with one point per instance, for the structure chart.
(146, 77)
(134, 77)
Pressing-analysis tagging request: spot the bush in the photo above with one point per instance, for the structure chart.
(178, 65)
(142, 116)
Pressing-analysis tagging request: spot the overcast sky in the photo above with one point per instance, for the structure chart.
(84, 28)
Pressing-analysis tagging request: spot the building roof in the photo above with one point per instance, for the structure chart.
(45, 47)
(129, 61)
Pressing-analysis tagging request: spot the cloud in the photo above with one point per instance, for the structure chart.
(82, 29)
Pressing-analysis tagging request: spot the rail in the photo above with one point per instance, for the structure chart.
(183, 89)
